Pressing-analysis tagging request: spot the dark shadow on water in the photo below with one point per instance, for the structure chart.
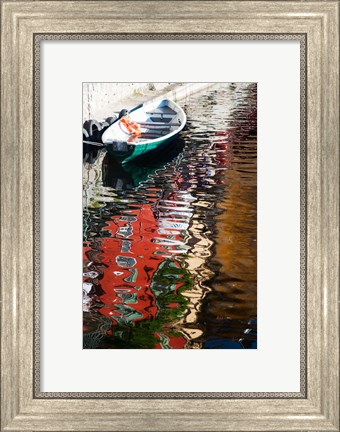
(131, 175)
(90, 153)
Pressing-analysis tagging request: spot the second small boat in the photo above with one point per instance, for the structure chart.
(145, 129)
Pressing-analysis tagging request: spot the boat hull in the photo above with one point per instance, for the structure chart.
(139, 151)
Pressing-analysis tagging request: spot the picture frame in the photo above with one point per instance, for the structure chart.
(24, 24)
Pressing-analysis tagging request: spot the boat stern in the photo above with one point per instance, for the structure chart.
(120, 150)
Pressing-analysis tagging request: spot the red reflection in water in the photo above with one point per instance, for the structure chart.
(131, 257)
(131, 262)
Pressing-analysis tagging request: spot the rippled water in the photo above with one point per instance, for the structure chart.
(170, 242)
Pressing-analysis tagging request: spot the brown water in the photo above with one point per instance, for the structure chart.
(170, 243)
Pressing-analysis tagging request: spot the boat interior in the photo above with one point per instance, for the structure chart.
(158, 122)
(155, 119)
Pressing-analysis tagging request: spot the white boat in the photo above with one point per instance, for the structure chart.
(158, 123)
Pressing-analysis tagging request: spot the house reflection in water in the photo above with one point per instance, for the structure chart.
(146, 283)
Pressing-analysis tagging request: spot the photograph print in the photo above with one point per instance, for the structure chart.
(169, 215)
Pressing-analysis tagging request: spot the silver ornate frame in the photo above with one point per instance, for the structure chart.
(316, 26)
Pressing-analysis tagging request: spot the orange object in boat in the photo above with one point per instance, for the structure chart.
(130, 126)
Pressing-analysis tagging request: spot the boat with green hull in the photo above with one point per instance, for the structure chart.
(159, 122)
